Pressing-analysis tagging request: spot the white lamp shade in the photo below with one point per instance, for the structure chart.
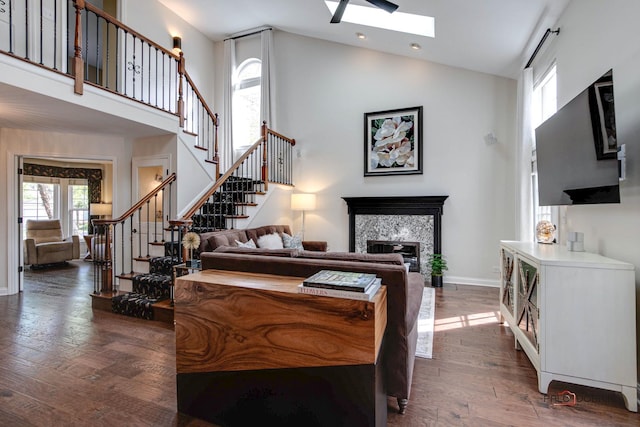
(101, 209)
(303, 202)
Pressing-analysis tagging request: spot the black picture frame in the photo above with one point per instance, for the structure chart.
(393, 142)
(603, 121)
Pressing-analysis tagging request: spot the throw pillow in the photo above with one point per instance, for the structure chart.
(293, 242)
(270, 241)
(249, 244)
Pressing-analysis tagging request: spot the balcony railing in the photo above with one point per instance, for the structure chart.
(77, 39)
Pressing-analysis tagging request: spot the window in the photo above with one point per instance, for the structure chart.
(39, 201)
(57, 198)
(543, 105)
(246, 103)
(79, 209)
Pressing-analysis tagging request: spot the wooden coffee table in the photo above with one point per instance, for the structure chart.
(250, 347)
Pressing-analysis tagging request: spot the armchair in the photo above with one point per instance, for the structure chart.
(46, 245)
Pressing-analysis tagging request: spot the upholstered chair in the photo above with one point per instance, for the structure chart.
(45, 244)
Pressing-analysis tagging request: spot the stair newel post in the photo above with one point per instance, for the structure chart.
(181, 89)
(107, 268)
(78, 62)
(265, 164)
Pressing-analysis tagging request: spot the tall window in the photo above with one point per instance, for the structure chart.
(57, 198)
(543, 105)
(246, 103)
(40, 201)
(79, 209)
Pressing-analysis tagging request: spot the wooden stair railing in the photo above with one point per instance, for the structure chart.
(267, 160)
(111, 56)
(196, 118)
(108, 243)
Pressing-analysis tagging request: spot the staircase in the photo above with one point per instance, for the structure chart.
(146, 291)
(134, 275)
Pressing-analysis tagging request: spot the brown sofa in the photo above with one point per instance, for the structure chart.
(211, 240)
(404, 293)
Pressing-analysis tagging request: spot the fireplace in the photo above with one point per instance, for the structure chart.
(398, 219)
(410, 251)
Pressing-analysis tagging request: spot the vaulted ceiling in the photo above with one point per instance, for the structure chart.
(491, 36)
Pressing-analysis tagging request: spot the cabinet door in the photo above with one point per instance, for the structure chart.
(527, 306)
(507, 281)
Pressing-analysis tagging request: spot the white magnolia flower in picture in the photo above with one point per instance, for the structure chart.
(393, 142)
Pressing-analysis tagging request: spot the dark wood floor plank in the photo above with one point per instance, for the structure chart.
(65, 364)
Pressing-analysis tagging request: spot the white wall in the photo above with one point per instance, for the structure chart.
(15, 142)
(596, 36)
(325, 88)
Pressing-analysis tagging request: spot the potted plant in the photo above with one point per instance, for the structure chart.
(438, 266)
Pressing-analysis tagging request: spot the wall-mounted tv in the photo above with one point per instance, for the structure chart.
(576, 150)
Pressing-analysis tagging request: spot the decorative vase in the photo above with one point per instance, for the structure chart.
(436, 281)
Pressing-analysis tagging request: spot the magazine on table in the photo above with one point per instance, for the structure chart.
(340, 280)
(337, 293)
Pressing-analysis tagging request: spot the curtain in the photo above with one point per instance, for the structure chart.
(524, 205)
(226, 150)
(267, 80)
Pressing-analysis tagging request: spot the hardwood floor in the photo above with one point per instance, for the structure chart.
(63, 364)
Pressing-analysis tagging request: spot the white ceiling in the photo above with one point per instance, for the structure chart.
(482, 35)
(491, 36)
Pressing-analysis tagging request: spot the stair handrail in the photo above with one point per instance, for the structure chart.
(212, 116)
(186, 217)
(171, 178)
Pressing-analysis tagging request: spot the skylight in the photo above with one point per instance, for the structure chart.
(396, 21)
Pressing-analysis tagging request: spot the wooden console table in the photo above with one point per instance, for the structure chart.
(250, 347)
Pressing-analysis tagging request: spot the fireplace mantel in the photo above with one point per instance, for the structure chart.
(396, 205)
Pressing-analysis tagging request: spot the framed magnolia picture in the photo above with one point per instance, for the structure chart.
(393, 142)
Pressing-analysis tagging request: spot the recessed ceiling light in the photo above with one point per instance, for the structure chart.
(397, 21)
(415, 46)
(361, 36)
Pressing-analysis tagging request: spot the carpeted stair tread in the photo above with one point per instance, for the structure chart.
(133, 305)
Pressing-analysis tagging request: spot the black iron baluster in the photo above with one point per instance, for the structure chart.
(148, 226)
(155, 217)
(140, 232)
(26, 25)
(41, 35)
(86, 45)
(55, 34)
(98, 49)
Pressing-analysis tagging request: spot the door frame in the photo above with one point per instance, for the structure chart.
(15, 260)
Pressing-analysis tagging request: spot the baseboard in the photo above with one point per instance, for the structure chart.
(471, 281)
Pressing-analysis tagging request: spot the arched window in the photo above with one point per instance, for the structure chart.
(246, 103)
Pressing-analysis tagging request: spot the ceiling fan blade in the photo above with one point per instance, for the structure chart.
(385, 5)
(337, 16)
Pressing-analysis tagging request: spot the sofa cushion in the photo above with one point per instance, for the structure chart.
(255, 233)
(270, 241)
(221, 238)
(248, 244)
(294, 242)
(415, 289)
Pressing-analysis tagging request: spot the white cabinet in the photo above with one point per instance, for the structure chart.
(573, 314)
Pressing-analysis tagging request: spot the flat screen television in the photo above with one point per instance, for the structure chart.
(576, 150)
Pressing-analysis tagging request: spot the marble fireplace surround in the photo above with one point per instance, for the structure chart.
(398, 218)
